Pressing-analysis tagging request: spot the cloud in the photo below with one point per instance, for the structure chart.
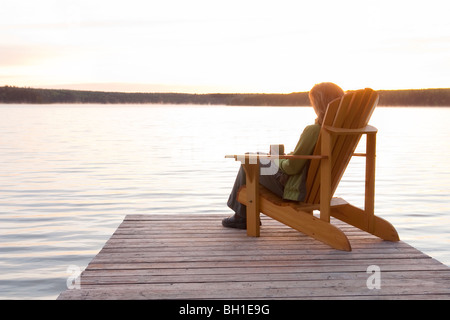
(23, 55)
(256, 46)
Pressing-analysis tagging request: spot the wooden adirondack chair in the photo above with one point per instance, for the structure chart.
(346, 120)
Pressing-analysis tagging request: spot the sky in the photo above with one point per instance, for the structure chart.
(204, 46)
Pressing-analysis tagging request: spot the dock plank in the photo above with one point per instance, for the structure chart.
(194, 257)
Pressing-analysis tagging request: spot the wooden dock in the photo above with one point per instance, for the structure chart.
(194, 257)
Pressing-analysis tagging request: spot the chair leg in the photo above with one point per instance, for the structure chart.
(253, 204)
(302, 221)
(308, 224)
(358, 218)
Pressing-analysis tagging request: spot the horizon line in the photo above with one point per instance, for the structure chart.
(72, 87)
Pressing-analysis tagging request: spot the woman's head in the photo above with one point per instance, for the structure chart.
(321, 95)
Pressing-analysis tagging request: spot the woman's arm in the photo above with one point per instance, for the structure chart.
(305, 146)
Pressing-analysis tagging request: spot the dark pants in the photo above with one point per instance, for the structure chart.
(270, 181)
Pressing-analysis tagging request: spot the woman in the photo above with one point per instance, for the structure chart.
(289, 182)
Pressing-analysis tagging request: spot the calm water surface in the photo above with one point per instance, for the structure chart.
(70, 173)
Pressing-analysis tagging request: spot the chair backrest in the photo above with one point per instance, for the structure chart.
(352, 111)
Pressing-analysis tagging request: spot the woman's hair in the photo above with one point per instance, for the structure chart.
(321, 95)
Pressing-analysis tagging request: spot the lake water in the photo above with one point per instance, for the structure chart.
(70, 173)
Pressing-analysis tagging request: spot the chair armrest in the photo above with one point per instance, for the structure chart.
(272, 157)
(366, 130)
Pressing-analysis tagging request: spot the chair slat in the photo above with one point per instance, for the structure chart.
(313, 178)
(352, 111)
(362, 111)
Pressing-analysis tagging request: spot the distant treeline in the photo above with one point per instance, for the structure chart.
(9, 94)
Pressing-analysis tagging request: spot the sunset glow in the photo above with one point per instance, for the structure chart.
(228, 46)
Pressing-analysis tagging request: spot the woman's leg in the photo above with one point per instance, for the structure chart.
(239, 209)
(239, 219)
(271, 182)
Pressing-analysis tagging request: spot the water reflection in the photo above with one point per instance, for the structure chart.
(69, 174)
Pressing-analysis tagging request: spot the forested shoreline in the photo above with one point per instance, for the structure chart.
(11, 94)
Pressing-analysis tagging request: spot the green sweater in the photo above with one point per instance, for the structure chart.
(297, 169)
